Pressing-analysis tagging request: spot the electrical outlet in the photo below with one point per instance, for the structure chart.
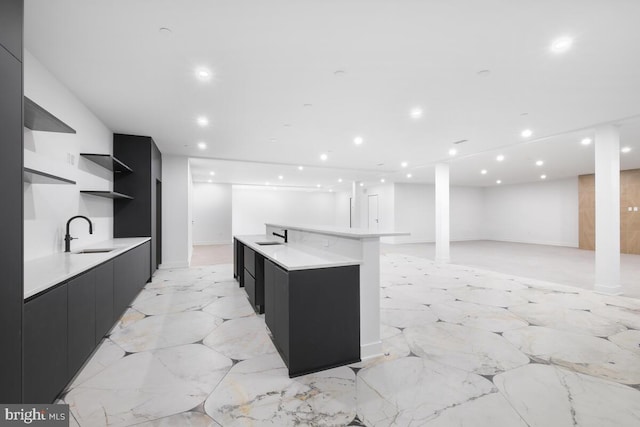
(71, 159)
(635, 209)
(629, 208)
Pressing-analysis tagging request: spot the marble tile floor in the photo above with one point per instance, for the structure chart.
(463, 347)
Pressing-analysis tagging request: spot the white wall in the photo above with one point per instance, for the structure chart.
(176, 217)
(47, 207)
(544, 212)
(253, 207)
(414, 206)
(211, 214)
(342, 209)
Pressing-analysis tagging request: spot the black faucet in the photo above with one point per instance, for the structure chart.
(68, 238)
(280, 235)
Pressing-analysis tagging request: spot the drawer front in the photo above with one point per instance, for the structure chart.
(250, 261)
(250, 286)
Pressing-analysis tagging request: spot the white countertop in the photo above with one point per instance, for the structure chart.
(42, 273)
(295, 257)
(354, 233)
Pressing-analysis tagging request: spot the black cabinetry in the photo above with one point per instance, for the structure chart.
(11, 221)
(63, 325)
(45, 346)
(313, 316)
(238, 261)
(140, 216)
(81, 319)
(253, 278)
(105, 314)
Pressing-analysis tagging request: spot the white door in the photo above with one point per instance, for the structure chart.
(373, 211)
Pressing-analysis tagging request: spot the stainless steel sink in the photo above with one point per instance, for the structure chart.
(268, 243)
(95, 251)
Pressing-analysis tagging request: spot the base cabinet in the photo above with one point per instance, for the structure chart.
(253, 278)
(63, 325)
(45, 346)
(238, 261)
(313, 316)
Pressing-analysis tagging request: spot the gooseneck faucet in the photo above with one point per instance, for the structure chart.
(285, 236)
(68, 238)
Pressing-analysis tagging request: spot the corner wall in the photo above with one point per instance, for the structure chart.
(211, 214)
(176, 207)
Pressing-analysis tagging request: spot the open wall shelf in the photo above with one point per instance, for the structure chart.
(37, 118)
(108, 162)
(106, 194)
(38, 177)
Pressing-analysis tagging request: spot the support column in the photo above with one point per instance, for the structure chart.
(607, 151)
(442, 212)
(356, 205)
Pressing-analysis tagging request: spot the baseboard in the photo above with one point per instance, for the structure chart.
(371, 350)
(214, 242)
(536, 242)
(169, 265)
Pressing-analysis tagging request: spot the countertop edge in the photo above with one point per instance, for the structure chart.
(361, 234)
(52, 281)
(248, 240)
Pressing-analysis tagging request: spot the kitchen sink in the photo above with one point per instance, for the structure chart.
(268, 243)
(95, 251)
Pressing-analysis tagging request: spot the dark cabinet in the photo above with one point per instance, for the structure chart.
(45, 346)
(140, 216)
(313, 316)
(131, 271)
(81, 319)
(238, 261)
(253, 278)
(11, 23)
(104, 300)
(11, 188)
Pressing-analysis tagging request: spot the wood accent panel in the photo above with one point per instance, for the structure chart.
(629, 220)
(587, 212)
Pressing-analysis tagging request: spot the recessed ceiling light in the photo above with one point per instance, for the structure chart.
(498, 181)
(266, 183)
(212, 173)
(318, 185)
(625, 149)
(543, 176)
(500, 157)
(586, 141)
(382, 180)
(561, 44)
(453, 152)
(483, 171)
(526, 133)
(209, 180)
(323, 157)
(280, 177)
(202, 121)
(539, 163)
(272, 140)
(331, 190)
(362, 184)
(300, 168)
(404, 164)
(358, 140)
(203, 74)
(339, 179)
(202, 145)
(416, 113)
(409, 175)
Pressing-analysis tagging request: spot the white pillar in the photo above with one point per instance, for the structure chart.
(356, 205)
(442, 212)
(607, 151)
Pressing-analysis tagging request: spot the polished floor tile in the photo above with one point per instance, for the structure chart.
(462, 346)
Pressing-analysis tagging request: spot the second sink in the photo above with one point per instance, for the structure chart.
(95, 251)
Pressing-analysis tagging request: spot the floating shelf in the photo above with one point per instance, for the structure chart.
(37, 118)
(108, 162)
(107, 194)
(38, 177)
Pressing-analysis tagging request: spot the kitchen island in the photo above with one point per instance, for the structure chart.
(313, 252)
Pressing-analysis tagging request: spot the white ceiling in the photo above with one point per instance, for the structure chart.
(270, 58)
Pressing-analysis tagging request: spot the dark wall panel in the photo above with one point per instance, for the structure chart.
(11, 187)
